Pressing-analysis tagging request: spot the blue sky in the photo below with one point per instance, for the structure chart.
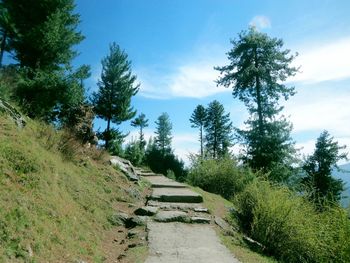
(174, 45)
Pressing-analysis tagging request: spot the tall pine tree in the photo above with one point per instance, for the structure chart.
(112, 102)
(198, 121)
(218, 130)
(258, 66)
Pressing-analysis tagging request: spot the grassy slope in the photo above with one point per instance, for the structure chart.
(55, 209)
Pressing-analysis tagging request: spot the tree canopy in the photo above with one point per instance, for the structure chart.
(163, 133)
(258, 66)
(112, 102)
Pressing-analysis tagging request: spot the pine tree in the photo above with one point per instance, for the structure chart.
(116, 88)
(43, 32)
(318, 167)
(218, 130)
(141, 122)
(198, 120)
(257, 68)
(40, 36)
(163, 132)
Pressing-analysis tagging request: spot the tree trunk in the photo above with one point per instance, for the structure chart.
(201, 139)
(3, 46)
(107, 138)
(258, 95)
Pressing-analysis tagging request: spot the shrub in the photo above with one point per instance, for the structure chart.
(222, 176)
(134, 153)
(290, 228)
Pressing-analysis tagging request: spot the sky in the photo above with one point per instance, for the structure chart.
(175, 44)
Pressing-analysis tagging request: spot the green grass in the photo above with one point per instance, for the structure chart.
(55, 199)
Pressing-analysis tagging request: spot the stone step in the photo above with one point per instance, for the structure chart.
(147, 174)
(163, 182)
(196, 207)
(176, 195)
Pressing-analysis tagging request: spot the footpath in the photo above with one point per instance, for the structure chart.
(181, 229)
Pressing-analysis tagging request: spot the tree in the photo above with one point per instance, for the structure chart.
(40, 35)
(43, 32)
(116, 87)
(163, 132)
(197, 119)
(257, 68)
(218, 130)
(318, 168)
(141, 122)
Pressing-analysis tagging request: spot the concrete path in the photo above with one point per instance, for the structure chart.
(181, 231)
(185, 243)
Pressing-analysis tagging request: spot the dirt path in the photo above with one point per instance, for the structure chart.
(181, 231)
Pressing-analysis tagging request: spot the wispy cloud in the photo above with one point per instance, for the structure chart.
(193, 80)
(322, 62)
(260, 22)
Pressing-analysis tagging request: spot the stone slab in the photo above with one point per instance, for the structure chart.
(163, 182)
(171, 216)
(185, 243)
(177, 195)
(179, 206)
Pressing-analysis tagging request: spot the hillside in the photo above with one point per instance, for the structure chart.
(58, 201)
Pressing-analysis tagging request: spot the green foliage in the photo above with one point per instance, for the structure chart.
(115, 138)
(288, 226)
(43, 32)
(163, 133)
(141, 122)
(134, 153)
(221, 176)
(272, 153)
(218, 130)
(197, 119)
(116, 87)
(258, 66)
(162, 163)
(323, 188)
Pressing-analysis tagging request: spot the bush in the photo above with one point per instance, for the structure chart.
(289, 227)
(222, 176)
(134, 153)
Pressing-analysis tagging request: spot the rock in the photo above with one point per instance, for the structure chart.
(252, 243)
(118, 219)
(200, 220)
(223, 225)
(146, 211)
(172, 216)
(12, 112)
(136, 221)
(125, 166)
(176, 195)
(201, 210)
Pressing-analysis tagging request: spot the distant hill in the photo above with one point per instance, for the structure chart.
(344, 174)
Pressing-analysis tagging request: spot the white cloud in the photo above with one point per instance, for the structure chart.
(317, 109)
(193, 80)
(322, 62)
(260, 22)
